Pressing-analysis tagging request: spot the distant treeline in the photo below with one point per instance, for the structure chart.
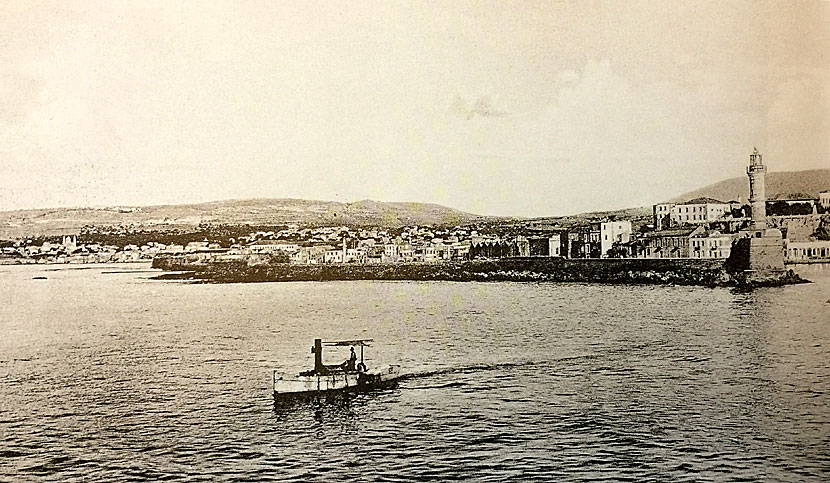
(224, 235)
(782, 208)
(122, 236)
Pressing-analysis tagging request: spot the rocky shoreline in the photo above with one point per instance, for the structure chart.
(709, 273)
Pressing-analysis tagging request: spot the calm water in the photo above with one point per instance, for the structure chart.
(112, 376)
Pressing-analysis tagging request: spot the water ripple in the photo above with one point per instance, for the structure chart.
(113, 380)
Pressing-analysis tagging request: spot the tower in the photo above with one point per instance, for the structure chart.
(759, 250)
(757, 192)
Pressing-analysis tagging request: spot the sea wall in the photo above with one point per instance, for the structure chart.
(623, 271)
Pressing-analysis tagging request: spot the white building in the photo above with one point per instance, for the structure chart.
(611, 232)
(194, 246)
(390, 252)
(694, 212)
(824, 199)
(807, 251)
(272, 246)
(173, 248)
(662, 215)
(555, 243)
(710, 244)
(70, 242)
(428, 253)
(700, 210)
(355, 255)
(311, 255)
(334, 256)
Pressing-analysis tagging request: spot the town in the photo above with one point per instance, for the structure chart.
(701, 228)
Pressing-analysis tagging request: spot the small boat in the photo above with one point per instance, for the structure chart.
(348, 376)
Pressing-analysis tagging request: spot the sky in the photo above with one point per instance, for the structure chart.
(495, 108)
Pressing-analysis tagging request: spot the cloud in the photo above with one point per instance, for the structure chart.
(481, 107)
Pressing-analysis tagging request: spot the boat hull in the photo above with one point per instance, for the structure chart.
(340, 381)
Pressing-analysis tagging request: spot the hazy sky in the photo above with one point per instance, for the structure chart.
(526, 108)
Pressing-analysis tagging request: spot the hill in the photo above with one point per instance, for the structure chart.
(784, 184)
(781, 183)
(636, 215)
(14, 224)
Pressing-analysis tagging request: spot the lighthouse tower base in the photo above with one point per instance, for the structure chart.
(766, 250)
(757, 258)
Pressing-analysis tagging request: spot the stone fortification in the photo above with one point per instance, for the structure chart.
(621, 271)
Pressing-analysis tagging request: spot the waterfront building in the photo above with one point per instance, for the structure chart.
(429, 254)
(611, 232)
(272, 246)
(709, 244)
(492, 248)
(815, 251)
(670, 243)
(70, 242)
(391, 252)
(461, 250)
(555, 245)
(583, 242)
(311, 255)
(355, 255)
(543, 246)
(333, 256)
(406, 253)
(442, 252)
(522, 246)
(824, 199)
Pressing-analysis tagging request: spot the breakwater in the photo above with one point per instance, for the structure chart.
(710, 273)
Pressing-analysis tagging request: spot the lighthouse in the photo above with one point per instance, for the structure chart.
(759, 249)
(757, 255)
(757, 191)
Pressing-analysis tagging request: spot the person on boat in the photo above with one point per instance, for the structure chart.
(350, 364)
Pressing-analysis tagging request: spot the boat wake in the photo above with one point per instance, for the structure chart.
(467, 369)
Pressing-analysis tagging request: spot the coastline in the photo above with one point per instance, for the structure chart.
(698, 272)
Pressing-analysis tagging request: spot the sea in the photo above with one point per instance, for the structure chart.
(109, 375)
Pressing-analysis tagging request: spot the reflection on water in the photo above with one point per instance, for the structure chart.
(113, 376)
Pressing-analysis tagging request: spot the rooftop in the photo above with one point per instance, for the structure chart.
(791, 196)
(703, 201)
(671, 232)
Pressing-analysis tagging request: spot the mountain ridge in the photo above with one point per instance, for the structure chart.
(281, 211)
(809, 182)
(250, 211)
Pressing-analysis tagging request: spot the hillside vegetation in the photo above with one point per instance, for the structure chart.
(55, 221)
(281, 211)
(808, 182)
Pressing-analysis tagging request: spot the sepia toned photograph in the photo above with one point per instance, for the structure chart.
(469, 240)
